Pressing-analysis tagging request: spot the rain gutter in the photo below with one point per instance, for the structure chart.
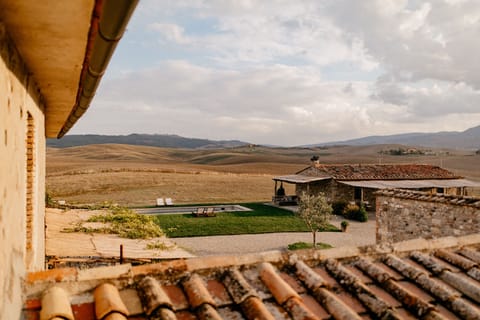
(109, 20)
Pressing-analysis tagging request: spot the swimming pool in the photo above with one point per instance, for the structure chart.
(190, 209)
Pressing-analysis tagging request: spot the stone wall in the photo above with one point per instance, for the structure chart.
(22, 177)
(403, 215)
(324, 186)
(336, 191)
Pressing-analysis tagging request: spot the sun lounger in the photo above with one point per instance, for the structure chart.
(199, 212)
(210, 212)
(168, 201)
(204, 212)
(160, 202)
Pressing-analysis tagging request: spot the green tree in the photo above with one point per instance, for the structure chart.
(315, 211)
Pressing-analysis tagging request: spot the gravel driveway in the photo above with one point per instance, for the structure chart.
(358, 234)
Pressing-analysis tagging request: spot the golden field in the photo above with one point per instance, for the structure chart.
(137, 175)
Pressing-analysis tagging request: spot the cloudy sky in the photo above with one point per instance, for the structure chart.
(292, 72)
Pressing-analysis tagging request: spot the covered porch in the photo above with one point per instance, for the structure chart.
(281, 196)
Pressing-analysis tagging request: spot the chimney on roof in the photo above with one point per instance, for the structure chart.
(314, 160)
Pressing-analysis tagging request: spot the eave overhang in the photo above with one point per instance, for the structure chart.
(66, 46)
(299, 179)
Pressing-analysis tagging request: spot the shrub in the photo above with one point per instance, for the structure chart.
(356, 212)
(128, 224)
(350, 210)
(124, 222)
(159, 245)
(339, 207)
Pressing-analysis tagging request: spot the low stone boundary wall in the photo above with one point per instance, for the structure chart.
(403, 215)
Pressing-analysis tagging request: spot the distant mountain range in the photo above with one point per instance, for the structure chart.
(154, 140)
(468, 139)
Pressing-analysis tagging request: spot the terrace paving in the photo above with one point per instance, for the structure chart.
(63, 244)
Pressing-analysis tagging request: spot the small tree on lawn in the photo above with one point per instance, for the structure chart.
(315, 211)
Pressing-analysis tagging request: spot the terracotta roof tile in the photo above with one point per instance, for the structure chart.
(277, 286)
(245, 296)
(56, 305)
(132, 301)
(378, 172)
(254, 308)
(177, 296)
(108, 302)
(219, 292)
(435, 279)
(84, 310)
(411, 300)
(153, 296)
(197, 292)
(363, 293)
(351, 302)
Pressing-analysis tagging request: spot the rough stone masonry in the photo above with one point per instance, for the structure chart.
(403, 215)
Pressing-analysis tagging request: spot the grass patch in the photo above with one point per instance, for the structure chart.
(309, 245)
(122, 221)
(158, 245)
(262, 219)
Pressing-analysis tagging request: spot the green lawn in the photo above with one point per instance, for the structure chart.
(263, 219)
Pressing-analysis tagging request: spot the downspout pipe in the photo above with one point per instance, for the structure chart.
(109, 21)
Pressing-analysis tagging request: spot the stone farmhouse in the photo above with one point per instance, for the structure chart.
(52, 57)
(359, 182)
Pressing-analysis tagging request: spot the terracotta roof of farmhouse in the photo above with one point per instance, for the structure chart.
(435, 279)
(377, 172)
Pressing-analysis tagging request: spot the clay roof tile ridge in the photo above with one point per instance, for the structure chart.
(152, 295)
(376, 305)
(415, 304)
(108, 301)
(197, 292)
(470, 254)
(245, 296)
(56, 305)
(462, 284)
(285, 295)
(450, 297)
(336, 307)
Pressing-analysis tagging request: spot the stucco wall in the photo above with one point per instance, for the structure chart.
(404, 215)
(19, 98)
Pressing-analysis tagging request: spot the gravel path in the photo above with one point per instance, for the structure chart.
(358, 234)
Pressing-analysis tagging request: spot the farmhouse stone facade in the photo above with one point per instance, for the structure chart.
(403, 215)
(22, 182)
(336, 191)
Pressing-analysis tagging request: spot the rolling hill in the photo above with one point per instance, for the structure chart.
(468, 140)
(153, 140)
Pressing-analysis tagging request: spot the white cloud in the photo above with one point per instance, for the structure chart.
(171, 32)
(294, 72)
